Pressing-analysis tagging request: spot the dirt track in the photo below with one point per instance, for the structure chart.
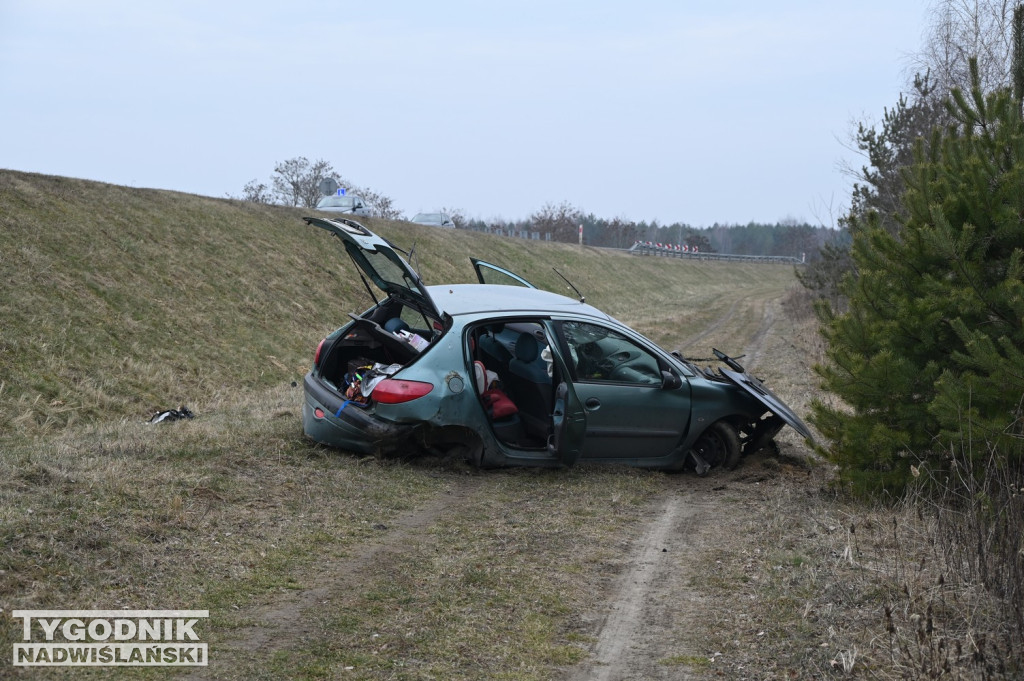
(658, 594)
(653, 595)
(656, 597)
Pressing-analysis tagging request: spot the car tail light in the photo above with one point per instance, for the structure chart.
(316, 357)
(396, 391)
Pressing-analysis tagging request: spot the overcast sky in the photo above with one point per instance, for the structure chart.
(671, 110)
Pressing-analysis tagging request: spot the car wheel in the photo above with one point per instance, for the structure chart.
(719, 445)
(473, 454)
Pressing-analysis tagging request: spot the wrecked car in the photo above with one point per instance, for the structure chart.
(505, 374)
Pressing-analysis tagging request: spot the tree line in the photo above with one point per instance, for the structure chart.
(562, 222)
(297, 181)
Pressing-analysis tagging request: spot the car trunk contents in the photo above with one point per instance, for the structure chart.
(362, 357)
(363, 376)
(414, 339)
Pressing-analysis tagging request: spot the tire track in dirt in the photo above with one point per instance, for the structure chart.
(643, 627)
(628, 646)
(283, 622)
(711, 328)
(755, 346)
(654, 598)
(763, 307)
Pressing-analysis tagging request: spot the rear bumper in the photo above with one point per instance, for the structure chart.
(347, 425)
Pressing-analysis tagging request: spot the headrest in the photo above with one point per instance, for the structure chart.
(526, 347)
(395, 324)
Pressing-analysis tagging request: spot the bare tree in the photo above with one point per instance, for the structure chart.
(456, 214)
(962, 29)
(296, 181)
(256, 192)
(561, 221)
(620, 232)
(380, 206)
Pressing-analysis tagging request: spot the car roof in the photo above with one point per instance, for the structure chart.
(497, 299)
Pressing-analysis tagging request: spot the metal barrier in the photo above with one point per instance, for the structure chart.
(666, 252)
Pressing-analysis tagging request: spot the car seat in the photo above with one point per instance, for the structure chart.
(395, 324)
(495, 355)
(530, 385)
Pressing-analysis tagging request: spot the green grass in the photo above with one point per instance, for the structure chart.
(695, 661)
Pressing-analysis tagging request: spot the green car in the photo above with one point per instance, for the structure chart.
(506, 374)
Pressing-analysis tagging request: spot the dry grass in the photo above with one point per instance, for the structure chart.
(836, 590)
(235, 509)
(198, 512)
(485, 592)
(120, 302)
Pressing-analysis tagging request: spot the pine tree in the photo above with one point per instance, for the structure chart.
(930, 350)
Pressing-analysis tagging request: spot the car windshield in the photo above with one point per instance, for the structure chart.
(336, 202)
(433, 218)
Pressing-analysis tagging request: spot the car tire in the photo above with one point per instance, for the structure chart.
(719, 445)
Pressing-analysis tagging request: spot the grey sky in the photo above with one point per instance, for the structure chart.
(684, 111)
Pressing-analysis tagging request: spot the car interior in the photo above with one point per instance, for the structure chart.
(514, 353)
(602, 355)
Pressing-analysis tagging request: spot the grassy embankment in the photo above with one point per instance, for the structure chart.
(118, 302)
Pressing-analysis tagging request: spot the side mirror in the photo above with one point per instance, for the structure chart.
(669, 381)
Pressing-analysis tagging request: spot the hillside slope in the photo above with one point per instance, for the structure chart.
(117, 302)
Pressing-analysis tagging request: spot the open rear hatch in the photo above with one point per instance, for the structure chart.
(378, 259)
(365, 351)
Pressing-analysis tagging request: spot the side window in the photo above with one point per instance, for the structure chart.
(599, 354)
(487, 273)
